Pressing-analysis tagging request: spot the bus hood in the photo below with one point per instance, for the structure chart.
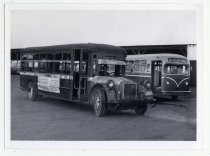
(116, 80)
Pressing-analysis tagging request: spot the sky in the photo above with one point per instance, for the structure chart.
(31, 28)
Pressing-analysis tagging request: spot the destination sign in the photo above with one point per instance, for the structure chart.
(177, 60)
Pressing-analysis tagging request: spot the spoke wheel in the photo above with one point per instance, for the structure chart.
(98, 100)
(32, 91)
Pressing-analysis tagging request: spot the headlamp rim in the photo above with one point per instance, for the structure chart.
(109, 82)
(146, 85)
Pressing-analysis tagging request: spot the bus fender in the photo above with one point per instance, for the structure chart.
(145, 82)
(30, 80)
(141, 92)
(100, 86)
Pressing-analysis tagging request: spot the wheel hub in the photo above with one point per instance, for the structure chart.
(97, 101)
(30, 92)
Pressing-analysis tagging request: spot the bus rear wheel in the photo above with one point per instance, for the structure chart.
(140, 110)
(98, 99)
(32, 91)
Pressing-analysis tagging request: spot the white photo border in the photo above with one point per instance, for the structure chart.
(9, 144)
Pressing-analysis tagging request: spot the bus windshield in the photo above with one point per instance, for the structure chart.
(176, 69)
(111, 70)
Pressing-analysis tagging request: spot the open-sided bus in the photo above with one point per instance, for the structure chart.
(168, 74)
(86, 73)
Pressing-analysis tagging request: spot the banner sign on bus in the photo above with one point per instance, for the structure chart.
(137, 66)
(49, 84)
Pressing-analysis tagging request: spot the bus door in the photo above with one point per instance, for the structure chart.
(66, 76)
(156, 74)
(84, 62)
(76, 73)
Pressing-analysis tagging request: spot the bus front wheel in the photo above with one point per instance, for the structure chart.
(98, 99)
(140, 110)
(32, 91)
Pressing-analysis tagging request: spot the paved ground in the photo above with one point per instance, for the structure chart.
(52, 119)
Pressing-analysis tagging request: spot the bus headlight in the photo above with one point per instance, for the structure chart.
(110, 84)
(186, 83)
(148, 85)
(167, 82)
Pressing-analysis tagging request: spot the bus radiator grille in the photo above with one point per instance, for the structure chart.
(129, 91)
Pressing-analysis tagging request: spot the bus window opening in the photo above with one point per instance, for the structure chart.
(111, 70)
(176, 69)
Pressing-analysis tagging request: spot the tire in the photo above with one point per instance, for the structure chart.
(98, 99)
(32, 91)
(140, 110)
(174, 97)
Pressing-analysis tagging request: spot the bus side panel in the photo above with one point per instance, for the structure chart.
(65, 89)
(42, 92)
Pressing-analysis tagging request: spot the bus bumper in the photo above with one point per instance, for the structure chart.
(130, 103)
(178, 93)
(147, 98)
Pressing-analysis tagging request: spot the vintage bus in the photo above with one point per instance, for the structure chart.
(168, 74)
(85, 73)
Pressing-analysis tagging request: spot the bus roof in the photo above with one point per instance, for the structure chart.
(154, 56)
(89, 46)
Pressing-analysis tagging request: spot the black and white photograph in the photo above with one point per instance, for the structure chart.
(103, 74)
